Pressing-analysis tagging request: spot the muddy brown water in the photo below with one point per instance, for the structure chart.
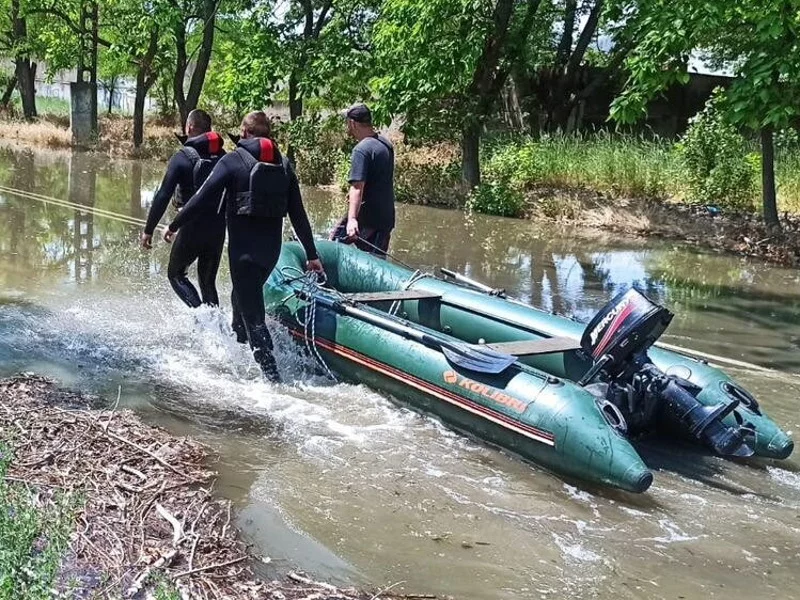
(337, 479)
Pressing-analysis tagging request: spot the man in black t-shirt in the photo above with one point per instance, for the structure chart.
(370, 215)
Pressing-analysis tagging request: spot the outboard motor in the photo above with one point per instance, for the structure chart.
(616, 340)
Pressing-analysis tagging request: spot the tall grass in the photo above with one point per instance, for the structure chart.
(787, 167)
(616, 165)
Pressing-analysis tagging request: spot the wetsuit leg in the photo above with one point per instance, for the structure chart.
(238, 322)
(209, 259)
(184, 252)
(248, 282)
(253, 247)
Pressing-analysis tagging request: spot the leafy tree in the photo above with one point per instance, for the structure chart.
(442, 64)
(112, 67)
(757, 40)
(21, 44)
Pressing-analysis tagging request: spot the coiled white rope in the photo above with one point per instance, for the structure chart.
(310, 285)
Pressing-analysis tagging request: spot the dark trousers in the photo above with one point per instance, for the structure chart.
(374, 241)
(253, 250)
(200, 240)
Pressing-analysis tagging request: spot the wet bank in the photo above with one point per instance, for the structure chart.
(336, 479)
(136, 504)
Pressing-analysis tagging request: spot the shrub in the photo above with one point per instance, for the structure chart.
(718, 167)
(496, 197)
(318, 144)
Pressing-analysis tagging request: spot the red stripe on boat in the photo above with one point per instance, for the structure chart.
(499, 418)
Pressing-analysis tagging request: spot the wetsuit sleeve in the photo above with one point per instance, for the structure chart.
(207, 196)
(176, 169)
(299, 218)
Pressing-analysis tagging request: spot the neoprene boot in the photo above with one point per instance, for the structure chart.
(261, 342)
(240, 331)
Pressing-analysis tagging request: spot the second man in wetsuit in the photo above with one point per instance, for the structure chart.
(202, 241)
(260, 189)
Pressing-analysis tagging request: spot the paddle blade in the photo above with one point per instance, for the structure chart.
(477, 359)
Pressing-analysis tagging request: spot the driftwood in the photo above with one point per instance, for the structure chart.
(149, 514)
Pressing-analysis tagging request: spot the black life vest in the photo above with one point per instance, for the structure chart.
(268, 190)
(201, 167)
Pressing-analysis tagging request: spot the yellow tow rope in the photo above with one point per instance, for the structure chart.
(100, 212)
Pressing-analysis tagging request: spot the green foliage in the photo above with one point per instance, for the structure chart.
(496, 197)
(718, 168)
(34, 535)
(319, 147)
(248, 63)
(425, 53)
(165, 590)
(429, 180)
(614, 165)
(45, 106)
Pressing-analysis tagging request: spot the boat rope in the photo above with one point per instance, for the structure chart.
(100, 212)
(310, 285)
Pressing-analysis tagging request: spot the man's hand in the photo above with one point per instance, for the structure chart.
(352, 227)
(315, 266)
(146, 240)
(169, 235)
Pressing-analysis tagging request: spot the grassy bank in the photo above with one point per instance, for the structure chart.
(115, 139)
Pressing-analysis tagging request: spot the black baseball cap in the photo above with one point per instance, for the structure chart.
(358, 113)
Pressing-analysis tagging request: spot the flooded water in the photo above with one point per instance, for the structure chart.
(341, 482)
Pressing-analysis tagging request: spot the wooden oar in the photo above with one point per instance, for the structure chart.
(467, 356)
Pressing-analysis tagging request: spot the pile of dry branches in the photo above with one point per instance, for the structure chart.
(149, 514)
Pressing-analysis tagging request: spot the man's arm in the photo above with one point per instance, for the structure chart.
(299, 219)
(208, 195)
(175, 170)
(359, 164)
(354, 199)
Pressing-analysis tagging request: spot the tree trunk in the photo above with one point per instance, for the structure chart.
(187, 101)
(768, 179)
(25, 72)
(110, 89)
(138, 109)
(203, 56)
(144, 81)
(295, 97)
(470, 154)
(181, 65)
(24, 69)
(9, 91)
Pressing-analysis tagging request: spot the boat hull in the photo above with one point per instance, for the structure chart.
(533, 409)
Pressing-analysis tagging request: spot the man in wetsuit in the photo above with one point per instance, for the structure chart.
(370, 214)
(202, 241)
(254, 210)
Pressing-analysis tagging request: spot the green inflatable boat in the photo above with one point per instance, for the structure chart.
(564, 395)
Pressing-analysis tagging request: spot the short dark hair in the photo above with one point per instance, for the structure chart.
(199, 119)
(257, 124)
(359, 113)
